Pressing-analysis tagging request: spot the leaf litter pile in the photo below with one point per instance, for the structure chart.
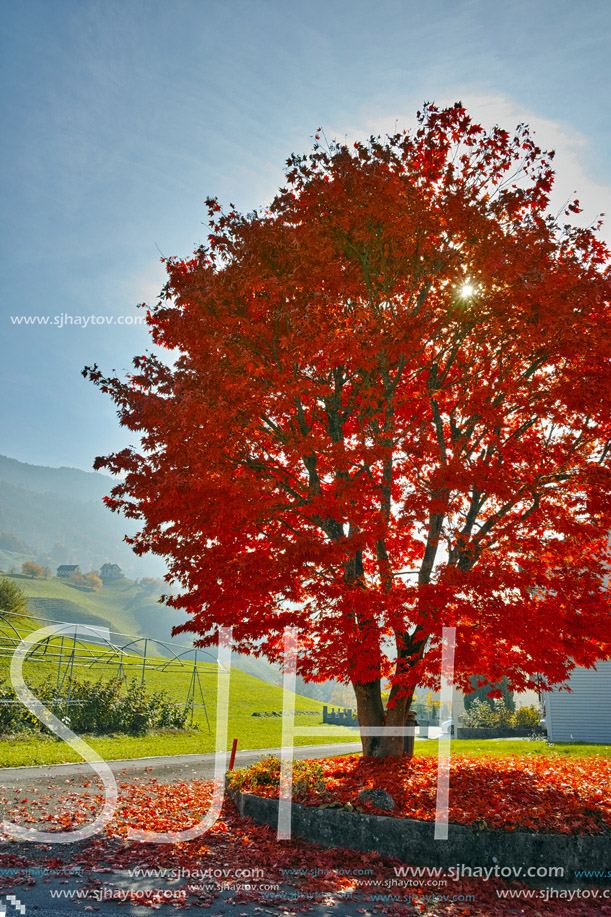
(290, 877)
(550, 794)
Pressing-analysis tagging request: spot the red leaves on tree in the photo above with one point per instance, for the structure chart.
(389, 412)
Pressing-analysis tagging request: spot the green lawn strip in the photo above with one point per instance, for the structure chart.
(27, 752)
(501, 748)
(255, 733)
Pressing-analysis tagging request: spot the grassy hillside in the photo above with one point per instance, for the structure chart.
(121, 605)
(57, 599)
(10, 559)
(127, 608)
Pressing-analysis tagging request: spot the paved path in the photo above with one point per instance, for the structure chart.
(37, 901)
(164, 768)
(58, 779)
(168, 767)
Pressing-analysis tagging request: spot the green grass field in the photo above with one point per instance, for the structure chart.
(502, 748)
(247, 695)
(263, 734)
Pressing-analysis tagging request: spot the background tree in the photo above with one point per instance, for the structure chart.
(485, 692)
(150, 585)
(93, 580)
(29, 568)
(89, 581)
(60, 553)
(12, 598)
(389, 412)
(77, 579)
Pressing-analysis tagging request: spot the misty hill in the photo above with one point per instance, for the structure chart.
(58, 513)
(123, 605)
(62, 482)
(56, 516)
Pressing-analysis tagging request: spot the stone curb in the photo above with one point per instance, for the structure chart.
(412, 841)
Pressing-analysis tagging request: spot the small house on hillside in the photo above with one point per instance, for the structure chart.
(66, 570)
(584, 714)
(111, 571)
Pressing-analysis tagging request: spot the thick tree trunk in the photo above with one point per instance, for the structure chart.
(370, 711)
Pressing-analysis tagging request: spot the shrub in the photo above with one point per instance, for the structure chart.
(96, 707)
(10, 713)
(504, 715)
(496, 715)
(29, 568)
(93, 580)
(308, 776)
(481, 714)
(90, 581)
(528, 716)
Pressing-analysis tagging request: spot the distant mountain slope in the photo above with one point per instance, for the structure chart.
(13, 552)
(62, 482)
(62, 508)
(56, 516)
(13, 544)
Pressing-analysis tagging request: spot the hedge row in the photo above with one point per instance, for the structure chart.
(94, 707)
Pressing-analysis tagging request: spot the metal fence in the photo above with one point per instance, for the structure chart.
(121, 654)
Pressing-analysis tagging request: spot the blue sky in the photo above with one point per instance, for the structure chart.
(120, 118)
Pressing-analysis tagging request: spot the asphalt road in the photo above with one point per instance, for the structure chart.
(42, 895)
(37, 900)
(165, 768)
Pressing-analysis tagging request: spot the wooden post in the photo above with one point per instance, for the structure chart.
(408, 740)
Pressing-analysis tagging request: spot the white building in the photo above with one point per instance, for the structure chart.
(584, 714)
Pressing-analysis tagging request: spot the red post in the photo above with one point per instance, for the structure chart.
(234, 748)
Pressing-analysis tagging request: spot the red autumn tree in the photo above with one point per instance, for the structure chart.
(389, 412)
